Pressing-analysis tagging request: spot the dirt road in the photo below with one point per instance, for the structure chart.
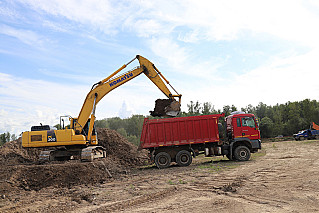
(283, 177)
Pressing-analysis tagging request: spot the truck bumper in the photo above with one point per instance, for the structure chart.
(256, 144)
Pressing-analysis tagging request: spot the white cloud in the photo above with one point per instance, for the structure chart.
(98, 14)
(26, 36)
(292, 78)
(26, 102)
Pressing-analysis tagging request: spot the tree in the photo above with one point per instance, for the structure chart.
(261, 110)
(58, 126)
(194, 109)
(233, 108)
(122, 132)
(101, 123)
(5, 137)
(2, 138)
(13, 137)
(207, 108)
(266, 127)
(226, 110)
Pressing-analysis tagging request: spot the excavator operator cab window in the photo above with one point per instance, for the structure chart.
(85, 130)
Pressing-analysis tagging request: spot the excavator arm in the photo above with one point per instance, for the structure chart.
(164, 107)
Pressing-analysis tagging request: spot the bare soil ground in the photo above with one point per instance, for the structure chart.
(283, 177)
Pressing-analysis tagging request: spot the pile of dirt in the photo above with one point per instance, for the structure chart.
(36, 177)
(18, 171)
(120, 150)
(13, 153)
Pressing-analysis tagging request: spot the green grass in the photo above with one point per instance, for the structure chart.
(222, 163)
(310, 142)
(170, 182)
(257, 155)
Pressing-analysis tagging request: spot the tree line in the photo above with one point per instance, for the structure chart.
(6, 137)
(280, 119)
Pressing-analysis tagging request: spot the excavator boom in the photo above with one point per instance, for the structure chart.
(100, 89)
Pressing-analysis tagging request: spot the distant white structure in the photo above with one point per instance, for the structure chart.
(124, 112)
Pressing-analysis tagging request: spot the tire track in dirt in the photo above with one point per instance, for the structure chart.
(124, 204)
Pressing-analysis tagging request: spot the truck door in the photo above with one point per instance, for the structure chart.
(246, 127)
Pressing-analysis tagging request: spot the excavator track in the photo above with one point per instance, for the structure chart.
(87, 154)
(45, 156)
(92, 152)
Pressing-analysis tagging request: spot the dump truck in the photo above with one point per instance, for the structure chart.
(182, 138)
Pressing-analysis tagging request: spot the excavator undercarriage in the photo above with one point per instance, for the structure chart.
(62, 153)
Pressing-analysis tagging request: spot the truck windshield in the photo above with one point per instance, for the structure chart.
(249, 121)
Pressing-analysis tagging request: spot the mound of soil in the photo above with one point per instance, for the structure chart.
(13, 153)
(20, 168)
(119, 150)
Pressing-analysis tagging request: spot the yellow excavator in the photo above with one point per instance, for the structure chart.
(79, 140)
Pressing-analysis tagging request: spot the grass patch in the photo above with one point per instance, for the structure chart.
(310, 141)
(259, 154)
(222, 163)
(180, 181)
(170, 182)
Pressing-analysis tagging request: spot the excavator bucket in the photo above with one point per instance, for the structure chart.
(166, 108)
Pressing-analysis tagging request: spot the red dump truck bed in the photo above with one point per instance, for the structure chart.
(180, 131)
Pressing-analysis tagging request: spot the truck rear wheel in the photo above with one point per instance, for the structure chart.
(184, 158)
(242, 153)
(162, 160)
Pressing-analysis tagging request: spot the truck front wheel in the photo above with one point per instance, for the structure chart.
(162, 160)
(242, 153)
(184, 158)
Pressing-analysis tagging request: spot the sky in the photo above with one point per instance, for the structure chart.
(222, 52)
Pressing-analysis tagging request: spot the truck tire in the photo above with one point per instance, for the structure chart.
(162, 160)
(184, 158)
(242, 153)
(228, 157)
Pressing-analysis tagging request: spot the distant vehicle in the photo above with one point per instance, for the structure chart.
(306, 134)
(279, 136)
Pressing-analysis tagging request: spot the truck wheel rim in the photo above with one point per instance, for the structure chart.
(162, 160)
(184, 158)
(243, 154)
